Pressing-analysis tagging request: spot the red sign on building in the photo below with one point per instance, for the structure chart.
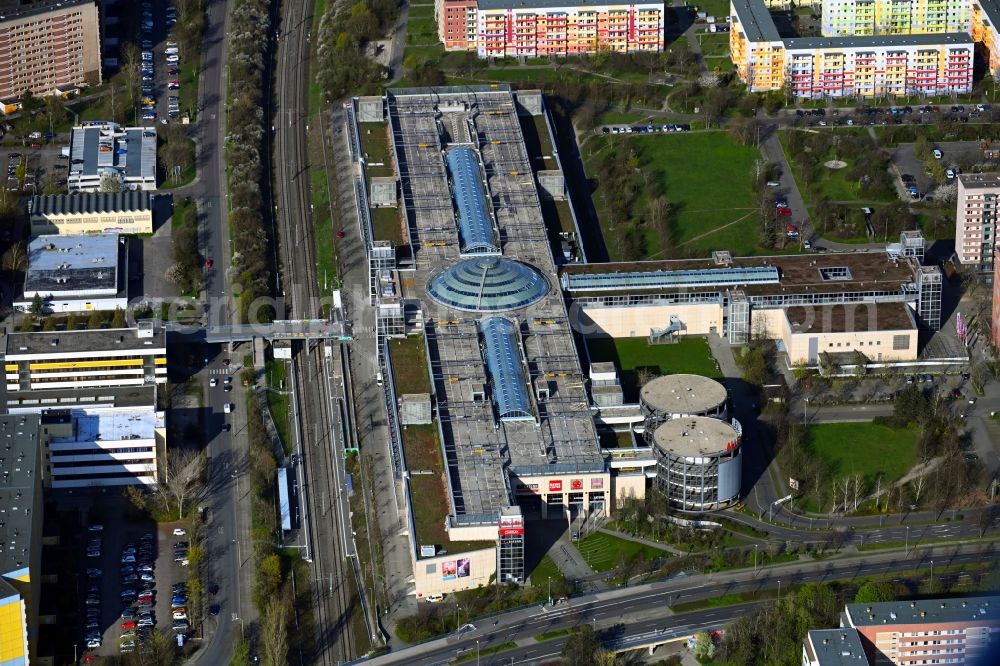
(576, 484)
(555, 486)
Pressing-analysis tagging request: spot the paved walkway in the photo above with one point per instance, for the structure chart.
(569, 560)
(645, 542)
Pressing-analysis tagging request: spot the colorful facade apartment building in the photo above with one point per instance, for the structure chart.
(47, 45)
(976, 219)
(809, 67)
(861, 18)
(985, 16)
(500, 28)
(909, 633)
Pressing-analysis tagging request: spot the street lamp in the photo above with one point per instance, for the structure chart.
(477, 653)
(755, 559)
(805, 409)
(779, 590)
(550, 590)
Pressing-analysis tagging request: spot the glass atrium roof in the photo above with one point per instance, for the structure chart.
(714, 277)
(503, 361)
(474, 225)
(487, 284)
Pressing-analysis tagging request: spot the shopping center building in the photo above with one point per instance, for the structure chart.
(493, 417)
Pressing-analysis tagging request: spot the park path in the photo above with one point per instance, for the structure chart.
(646, 542)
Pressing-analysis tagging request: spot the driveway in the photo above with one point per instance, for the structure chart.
(770, 147)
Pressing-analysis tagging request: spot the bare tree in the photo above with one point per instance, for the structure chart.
(918, 487)
(181, 478)
(15, 259)
(659, 218)
(846, 482)
(274, 632)
(131, 65)
(857, 480)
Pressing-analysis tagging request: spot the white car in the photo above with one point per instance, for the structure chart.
(938, 154)
(213, 382)
(180, 531)
(180, 616)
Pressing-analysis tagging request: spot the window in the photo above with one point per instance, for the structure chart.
(900, 342)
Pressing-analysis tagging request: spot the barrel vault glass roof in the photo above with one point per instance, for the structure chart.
(671, 279)
(503, 362)
(487, 284)
(474, 226)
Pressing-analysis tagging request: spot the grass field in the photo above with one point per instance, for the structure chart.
(604, 552)
(835, 184)
(546, 569)
(866, 448)
(690, 355)
(278, 403)
(707, 179)
(409, 365)
(714, 45)
(386, 225)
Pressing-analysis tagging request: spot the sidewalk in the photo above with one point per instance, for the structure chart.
(645, 542)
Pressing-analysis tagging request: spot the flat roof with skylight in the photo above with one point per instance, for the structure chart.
(69, 265)
(509, 388)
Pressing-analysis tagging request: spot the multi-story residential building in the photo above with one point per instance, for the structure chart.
(985, 22)
(48, 44)
(846, 66)
(995, 328)
(861, 18)
(63, 360)
(906, 633)
(976, 219)
(20, 534)
(499, 28)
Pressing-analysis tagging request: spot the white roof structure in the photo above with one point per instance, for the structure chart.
(105, 148)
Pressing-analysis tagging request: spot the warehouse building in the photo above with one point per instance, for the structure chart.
(128, 212)
(48, 45)
(62, 360)
(105, 151)
(76, 274)
(21, 537)
(541, 28)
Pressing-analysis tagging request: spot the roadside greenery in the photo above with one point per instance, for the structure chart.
(186, 271)
(252, 266)
(345, 33)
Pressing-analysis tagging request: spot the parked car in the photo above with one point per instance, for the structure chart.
(937, 153)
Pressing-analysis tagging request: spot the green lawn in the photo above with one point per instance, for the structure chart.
(708, 181)
(833, 183)
(421, 25)
(604, 552)
(278, 403)
(543, 571)
(409, 365)
(714, 44)
(421, 11)
(617, 117)
(375, 142)
(717, 8)
(866, 448)
(386, 225)
(689, 355)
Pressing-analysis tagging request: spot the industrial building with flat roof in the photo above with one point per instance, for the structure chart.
(75, 274)
(20, 538)
(61, 360)
(128, 212)
(47, 45)
(100, 150)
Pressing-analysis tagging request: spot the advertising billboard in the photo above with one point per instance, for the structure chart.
(511, 526)
(576, 484)
(597, 484)
(555, 486)
(453, 569)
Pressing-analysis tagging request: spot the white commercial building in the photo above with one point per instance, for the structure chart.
(100, 446)
(100, 150)
(75, 274)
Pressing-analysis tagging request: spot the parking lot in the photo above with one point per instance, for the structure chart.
(906, 165)
(160, 62)
(128, 574)
(645, 129)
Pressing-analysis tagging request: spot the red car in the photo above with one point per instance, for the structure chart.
(208, 263)
(36, 145)
(784, 212)
(128, 624)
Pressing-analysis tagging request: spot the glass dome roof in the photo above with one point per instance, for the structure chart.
(487, 284)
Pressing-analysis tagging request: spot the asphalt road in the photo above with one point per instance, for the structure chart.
(636, 611)
(227, 536)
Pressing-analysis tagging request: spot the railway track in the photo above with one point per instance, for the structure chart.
(317, 470)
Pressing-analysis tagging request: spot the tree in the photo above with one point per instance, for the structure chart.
(118, 318)
(704, 647)
(49, 324)
(110, 183)
(15, 259)
(986, 518)
(37, 306)
(274, 631)
(27, 324)
(181, 481)
(95, 321)
(910, 405)
(875, 592)
(659, 218)
(72, 323)
(583, 648)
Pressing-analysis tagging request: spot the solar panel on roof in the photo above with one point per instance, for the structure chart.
(672, 279)
(474, 226)
(503, 362)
